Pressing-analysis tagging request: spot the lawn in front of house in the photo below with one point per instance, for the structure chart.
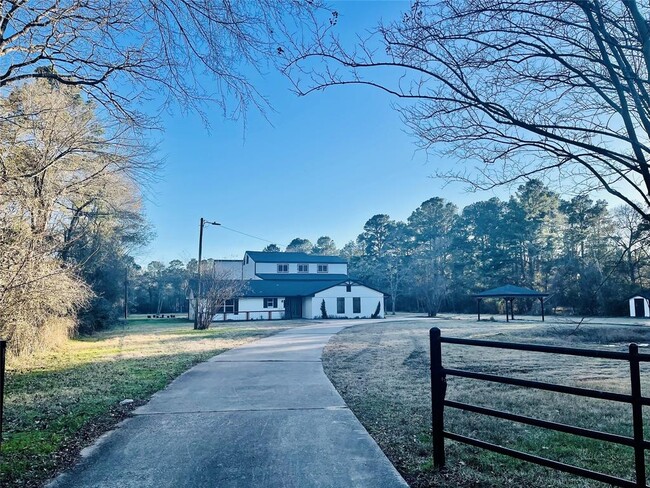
(382, 371)
(56, 403)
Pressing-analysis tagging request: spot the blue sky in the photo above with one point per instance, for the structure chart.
(321, 165)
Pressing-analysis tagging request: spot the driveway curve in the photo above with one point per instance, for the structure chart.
(261, 415)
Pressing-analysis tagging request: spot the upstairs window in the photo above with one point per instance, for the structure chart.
(270, 303)
(340, 305)
(322, 268)
(348, 287)
(303, 268)
(283, 268)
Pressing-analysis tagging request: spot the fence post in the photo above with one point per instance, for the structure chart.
(438, 390)
(3, 355)
(637, 416)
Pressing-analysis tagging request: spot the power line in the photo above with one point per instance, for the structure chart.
(252, 236)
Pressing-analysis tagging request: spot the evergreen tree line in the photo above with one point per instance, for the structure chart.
(590, 259)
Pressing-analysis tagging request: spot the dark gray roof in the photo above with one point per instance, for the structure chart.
(275, 288)
(293, 257)
(509, 291)
(303, 277)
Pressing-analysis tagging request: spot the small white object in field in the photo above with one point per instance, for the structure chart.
(126, 401)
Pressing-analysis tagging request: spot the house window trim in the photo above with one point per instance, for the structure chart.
(273, 302)
(305, 268)
(323, 268)
(340, 301)
(230, 306)
(283, 267)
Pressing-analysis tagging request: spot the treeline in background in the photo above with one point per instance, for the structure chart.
(589, 258)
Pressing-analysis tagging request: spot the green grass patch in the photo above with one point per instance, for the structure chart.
(58, 402)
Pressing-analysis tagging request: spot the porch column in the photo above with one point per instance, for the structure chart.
(541, 299)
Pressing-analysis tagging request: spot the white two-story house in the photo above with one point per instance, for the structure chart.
(298, 285)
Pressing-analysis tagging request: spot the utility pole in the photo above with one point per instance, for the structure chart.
(198, 287)
(126, 292)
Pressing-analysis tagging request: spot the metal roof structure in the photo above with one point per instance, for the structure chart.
(509, 291)
(293, 257)
(278, 288)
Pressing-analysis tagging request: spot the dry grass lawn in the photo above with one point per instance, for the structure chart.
(57, 403)
(382, 371)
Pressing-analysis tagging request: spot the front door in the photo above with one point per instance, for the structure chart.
(293, 308)
(639, 307)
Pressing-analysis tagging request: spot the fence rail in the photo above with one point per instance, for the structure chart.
(438, 403)
(3, 357)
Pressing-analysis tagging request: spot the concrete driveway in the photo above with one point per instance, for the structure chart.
(261, 415)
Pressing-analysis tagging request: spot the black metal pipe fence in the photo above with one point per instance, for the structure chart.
(635, 398)
(3, 356)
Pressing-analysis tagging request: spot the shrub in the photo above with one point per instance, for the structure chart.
(323, 310)
(377, 311)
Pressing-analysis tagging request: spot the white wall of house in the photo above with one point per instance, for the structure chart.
(231, 267)
(272, 268)
(646, 306)
(369, 299)
(248, 268)
(252, 308)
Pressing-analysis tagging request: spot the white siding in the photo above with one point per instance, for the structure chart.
(248, 269)
(369, 299)
(272, 268)
(233, 268)
(253, 309)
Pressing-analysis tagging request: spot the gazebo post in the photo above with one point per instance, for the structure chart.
(512, 309)
(478, 306)
(507, 312)
(541, 299)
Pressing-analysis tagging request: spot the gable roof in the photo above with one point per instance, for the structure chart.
(509, 291)
(293, 257)
(278, 288)
(302, 277)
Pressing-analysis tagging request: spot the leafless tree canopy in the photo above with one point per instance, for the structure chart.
(119, 50)
(512, 88)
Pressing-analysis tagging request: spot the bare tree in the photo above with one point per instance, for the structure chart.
(512, 88)
(124, 51)
(219, 296)
(65, 178)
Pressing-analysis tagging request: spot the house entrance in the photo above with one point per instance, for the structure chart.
(293, 308)
(639, 307)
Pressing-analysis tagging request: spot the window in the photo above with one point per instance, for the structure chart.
(303, 268)
(230, 306)
(270, 303)
(356, 305)
(340, 305)
(283, 268)
(348, 287)
(322, 268)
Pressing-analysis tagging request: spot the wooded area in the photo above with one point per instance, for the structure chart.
(589, 258)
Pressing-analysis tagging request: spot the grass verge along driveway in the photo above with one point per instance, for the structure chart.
(382, 372)
(57, 403)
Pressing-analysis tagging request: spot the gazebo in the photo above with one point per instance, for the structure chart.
(509, 293)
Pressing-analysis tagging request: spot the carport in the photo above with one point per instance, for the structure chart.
(509, 293)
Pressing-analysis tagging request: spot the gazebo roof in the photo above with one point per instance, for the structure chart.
(509, 291)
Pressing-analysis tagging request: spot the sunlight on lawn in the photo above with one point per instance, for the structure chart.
(61, 400)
